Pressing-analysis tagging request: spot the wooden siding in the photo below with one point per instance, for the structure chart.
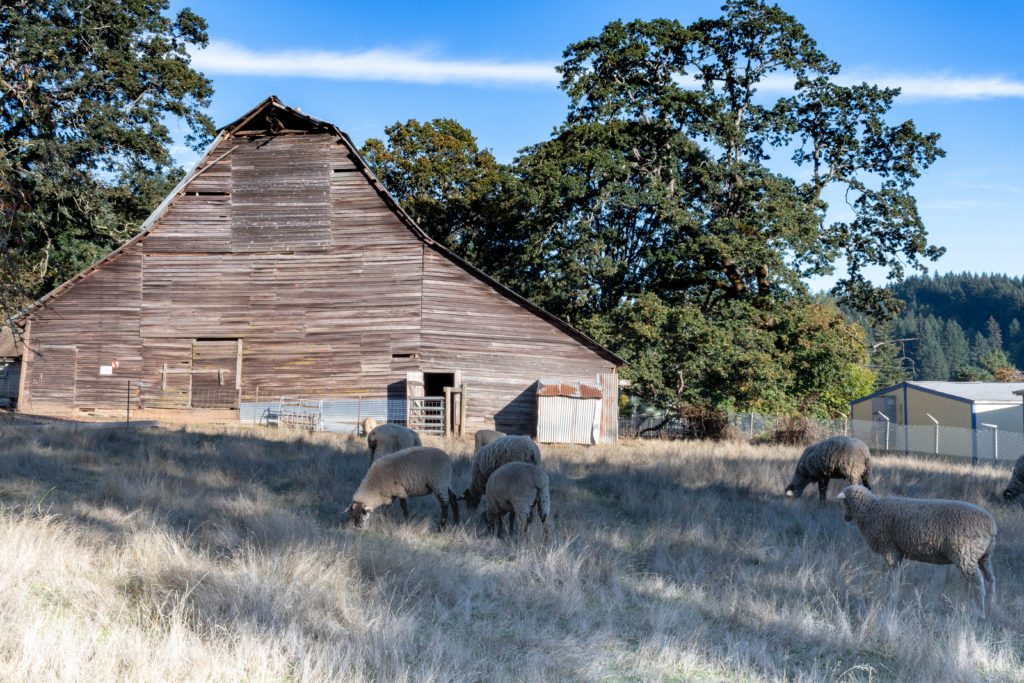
(285, 244)
(100, 317)
(280, 198)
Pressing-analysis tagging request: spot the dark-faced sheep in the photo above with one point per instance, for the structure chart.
(927, 530)
(417, 471)
(389, 438)
(517, 488)
(1016, 485)
(492, 456)
(839, 457)
(484, 437)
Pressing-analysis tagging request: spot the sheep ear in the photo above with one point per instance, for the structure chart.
(842, 495)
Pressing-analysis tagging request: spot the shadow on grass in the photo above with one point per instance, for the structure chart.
(637, 551)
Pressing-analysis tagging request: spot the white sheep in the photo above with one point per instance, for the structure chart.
(927, 530)
(517, 488)
(484, 437)
(492, 456)
(368, 425)
(840, 457)
(389, 438)
(417, 471)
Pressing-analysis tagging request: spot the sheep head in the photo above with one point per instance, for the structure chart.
(358, 512)
(472, 499)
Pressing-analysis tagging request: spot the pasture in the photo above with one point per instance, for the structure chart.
(218, 553)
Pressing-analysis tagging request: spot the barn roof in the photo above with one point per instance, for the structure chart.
(272, 117)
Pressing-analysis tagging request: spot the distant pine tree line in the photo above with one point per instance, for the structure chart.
(961, 327)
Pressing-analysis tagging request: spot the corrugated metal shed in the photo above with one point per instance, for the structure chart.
(568, 412)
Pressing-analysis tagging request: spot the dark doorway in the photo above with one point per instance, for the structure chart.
(434, 383)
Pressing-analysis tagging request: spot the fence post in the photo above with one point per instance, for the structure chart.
(936, 432)
(887, 423)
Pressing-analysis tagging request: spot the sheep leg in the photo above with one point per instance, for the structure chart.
(985, 564)
(512, 523)
(864, 481)
(441, 499)
(501, 525)
(893, 561)
(823, 489)
(453, 501)
(977, 581)
(405, 508)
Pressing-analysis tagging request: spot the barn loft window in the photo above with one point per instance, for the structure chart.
(405, 355)
(344, 170)
(207, 194)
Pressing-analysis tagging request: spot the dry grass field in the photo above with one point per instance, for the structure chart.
(218, 553)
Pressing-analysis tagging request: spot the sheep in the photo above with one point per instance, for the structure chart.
(368, 424)
(927, 530)
(840, 457)
(494, 455)
(1016, 485)
(517, 488)
(389, 438)
(411, 472)
(484, 437)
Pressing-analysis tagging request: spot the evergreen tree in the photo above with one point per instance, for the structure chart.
(932, 363)
(979, 347)
(957, 350)
(887, 362)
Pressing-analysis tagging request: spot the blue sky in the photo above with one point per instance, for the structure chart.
(364, 66)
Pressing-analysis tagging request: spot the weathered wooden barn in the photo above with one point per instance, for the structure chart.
(280, 266)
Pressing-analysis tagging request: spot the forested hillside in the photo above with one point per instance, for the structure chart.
(954, 327)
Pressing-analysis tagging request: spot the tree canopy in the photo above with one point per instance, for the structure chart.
(677, 212)
(87, 89)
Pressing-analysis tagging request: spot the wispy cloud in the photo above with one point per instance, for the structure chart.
(412, 66)
(371, 65)
(934, 86)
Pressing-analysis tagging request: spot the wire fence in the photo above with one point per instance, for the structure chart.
(982, 444)
(329, 414)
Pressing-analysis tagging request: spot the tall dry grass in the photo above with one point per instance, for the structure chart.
(218, 554)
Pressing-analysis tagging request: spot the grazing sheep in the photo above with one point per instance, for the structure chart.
(840, 457)
(389, 438)
(368, 424)
(484, 437)
(492, 456)
(927, 530)
(517, 488)
(1016, 485)
(417, 471)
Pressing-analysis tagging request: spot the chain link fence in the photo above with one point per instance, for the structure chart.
(981, 444)
(330, 414)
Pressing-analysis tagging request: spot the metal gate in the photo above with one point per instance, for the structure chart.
(427, 414)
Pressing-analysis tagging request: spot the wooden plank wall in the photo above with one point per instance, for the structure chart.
(284, 243)
(100, 317)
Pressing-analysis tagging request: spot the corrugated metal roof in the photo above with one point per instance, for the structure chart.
(9, 346)
(978, 392)
(568, 389)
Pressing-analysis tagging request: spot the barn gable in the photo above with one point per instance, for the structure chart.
(281, 265)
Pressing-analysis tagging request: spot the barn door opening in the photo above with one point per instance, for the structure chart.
(216, 373)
